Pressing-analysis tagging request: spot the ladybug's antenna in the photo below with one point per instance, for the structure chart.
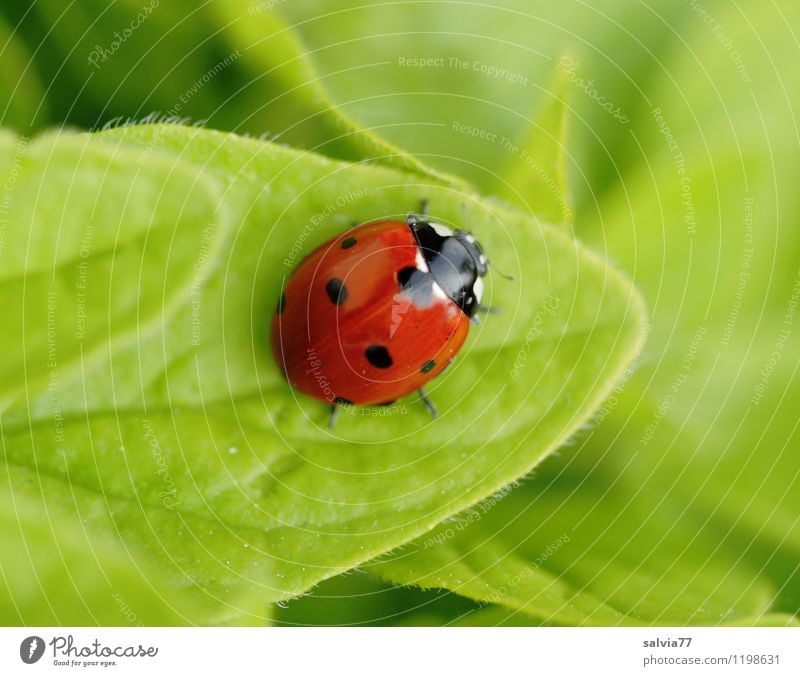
(423, 207)
(499, 272)
(488, 262)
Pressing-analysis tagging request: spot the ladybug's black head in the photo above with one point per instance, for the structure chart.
(475, 251)
(455, 260)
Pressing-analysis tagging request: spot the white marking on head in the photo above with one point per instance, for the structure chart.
(441, 230)
(477, 289)
(438, 291)
(483, 260)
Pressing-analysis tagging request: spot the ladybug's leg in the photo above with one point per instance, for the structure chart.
(428, 403)
(338, 402)
(490, 309)
(423, 207)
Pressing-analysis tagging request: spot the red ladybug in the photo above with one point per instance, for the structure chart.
(375, 313)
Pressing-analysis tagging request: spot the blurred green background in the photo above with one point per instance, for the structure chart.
(681, 152)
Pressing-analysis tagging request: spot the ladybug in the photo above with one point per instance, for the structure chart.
(376, 313)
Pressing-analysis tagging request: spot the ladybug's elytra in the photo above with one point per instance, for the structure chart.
(374, 314)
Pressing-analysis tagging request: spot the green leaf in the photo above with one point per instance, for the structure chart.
(95, 250)
(359, 599)
(571, 548)
(56, 573)
(233, 64)
(188, 442)
(20, 91)
(701, 442)
(728, 372)
(535, 175)
(499, 616)
(727, 432)
(271, 47)
(451, 86)
(698, 523)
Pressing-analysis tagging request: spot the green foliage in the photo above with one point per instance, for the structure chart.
(360, 599)
(562, 548)
(20, 91)
(140, 408)
(495, 61)
(229, 481)
(56, 572)
(124, 254)
(726, 448)
(249, 74)
(535, 178)
(698, 449)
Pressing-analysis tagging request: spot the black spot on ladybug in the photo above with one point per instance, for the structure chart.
(378, 356)
(387, 403)
(350, 241)
(404, 276)
(336, 291)
(281, 303)
(341, 401)
(427, 367)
